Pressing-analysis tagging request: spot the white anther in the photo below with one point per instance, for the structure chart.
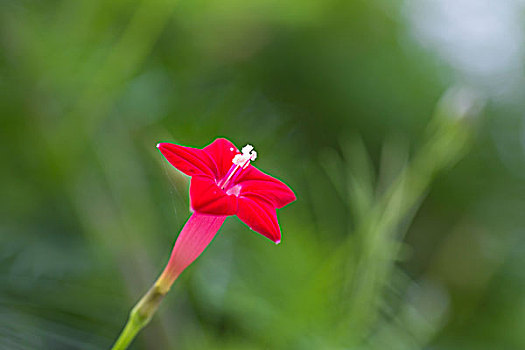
(240, 159)
(248, 154)
(247, 149)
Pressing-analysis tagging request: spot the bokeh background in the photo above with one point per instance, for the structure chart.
(398, 123)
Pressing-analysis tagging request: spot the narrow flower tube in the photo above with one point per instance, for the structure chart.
(196, 235)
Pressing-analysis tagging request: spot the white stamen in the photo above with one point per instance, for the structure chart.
(240, 162)
(248, 154)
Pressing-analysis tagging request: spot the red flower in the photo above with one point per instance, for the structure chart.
(223, 182)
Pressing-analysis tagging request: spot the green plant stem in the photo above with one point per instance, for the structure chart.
(141, 314)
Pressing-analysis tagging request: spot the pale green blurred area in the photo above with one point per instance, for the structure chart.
(408, 231)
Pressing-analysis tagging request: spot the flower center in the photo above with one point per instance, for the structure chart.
(240, 162)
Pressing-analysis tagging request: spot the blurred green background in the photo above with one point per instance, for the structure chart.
(399, 124)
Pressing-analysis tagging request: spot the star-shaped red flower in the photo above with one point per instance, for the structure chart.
(223, 182)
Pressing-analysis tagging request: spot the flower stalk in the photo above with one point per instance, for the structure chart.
(140, 315)
(196, 235)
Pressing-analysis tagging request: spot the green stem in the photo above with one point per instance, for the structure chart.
(140, 315)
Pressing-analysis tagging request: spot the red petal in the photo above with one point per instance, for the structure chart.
(191, 161)
(256, 183)
(222, 152)
(260, 216)
(207, 198)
